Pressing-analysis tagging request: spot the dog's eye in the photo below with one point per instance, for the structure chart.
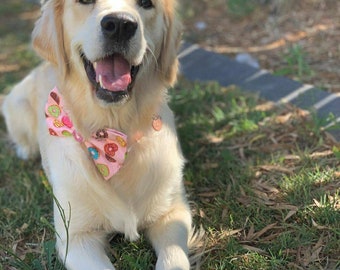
(86, 2)
(146, 4)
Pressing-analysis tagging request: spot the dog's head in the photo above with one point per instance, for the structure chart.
(109, 43)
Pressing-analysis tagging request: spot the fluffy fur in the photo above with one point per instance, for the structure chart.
(147, 193)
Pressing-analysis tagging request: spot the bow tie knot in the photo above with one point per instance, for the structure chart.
(107, 147)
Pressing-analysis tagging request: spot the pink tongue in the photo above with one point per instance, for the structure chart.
(113, 73)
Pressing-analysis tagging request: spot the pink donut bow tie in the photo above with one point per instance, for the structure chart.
(107, 147)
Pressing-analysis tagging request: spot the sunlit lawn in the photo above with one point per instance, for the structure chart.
(263, 181)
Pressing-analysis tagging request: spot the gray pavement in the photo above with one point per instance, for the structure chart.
(198, 64)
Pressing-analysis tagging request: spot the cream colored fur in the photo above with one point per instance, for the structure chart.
(147, 194)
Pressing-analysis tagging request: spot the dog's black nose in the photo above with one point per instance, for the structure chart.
(120, 27)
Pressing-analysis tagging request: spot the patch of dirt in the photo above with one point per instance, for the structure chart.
(268, 31)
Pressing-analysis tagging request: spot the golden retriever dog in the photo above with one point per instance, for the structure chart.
(96, 110)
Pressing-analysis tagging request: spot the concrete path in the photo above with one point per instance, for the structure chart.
(198, 64)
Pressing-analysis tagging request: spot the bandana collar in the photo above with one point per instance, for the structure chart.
(107, 147)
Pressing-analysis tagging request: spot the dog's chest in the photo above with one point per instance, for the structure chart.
(148, 180)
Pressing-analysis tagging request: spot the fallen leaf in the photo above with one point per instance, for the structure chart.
(321, 154)
(201, 213)
(282, 119)
(337, 174)
(310, 254)
(215, 139)
(9, 68)
(271, 237)
(254, 249)
(211, 165)
(276, 168)
(283, 206)
(230, 233)
(22, 228)
(209, 194)
(266, 187)
(252, 235)
(290, 214)
(9, 212)
(266, 106)
(264, 230)
(319, 227)
(292, 157)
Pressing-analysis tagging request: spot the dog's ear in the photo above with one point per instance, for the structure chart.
(168, 61)
(47, 36)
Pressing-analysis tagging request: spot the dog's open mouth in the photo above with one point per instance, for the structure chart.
(112, 77)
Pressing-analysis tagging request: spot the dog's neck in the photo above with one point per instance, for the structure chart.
(88, 115)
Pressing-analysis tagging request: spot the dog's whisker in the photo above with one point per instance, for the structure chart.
(152, 55)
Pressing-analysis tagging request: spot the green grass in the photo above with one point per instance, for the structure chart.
(16, 56)
(237, 9)
(241, 8)
(263, 181)
(296, 64)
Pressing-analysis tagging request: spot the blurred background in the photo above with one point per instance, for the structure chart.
(297, 39)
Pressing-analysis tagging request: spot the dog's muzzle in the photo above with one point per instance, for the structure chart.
(113, 76)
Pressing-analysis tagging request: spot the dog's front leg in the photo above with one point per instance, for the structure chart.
(85, 252)
(169, 236)
(20, 109)
(81, 250)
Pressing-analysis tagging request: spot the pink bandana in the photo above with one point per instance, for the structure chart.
(107, 147)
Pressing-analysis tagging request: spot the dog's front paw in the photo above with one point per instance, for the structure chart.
(173, 258)
(23, 152)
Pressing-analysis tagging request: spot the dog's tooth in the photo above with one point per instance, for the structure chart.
(101, 81)
(95, 65)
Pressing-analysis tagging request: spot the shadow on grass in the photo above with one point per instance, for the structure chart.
(263, 186)
(264, 180)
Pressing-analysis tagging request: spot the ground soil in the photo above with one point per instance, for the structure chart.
(268, 32)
